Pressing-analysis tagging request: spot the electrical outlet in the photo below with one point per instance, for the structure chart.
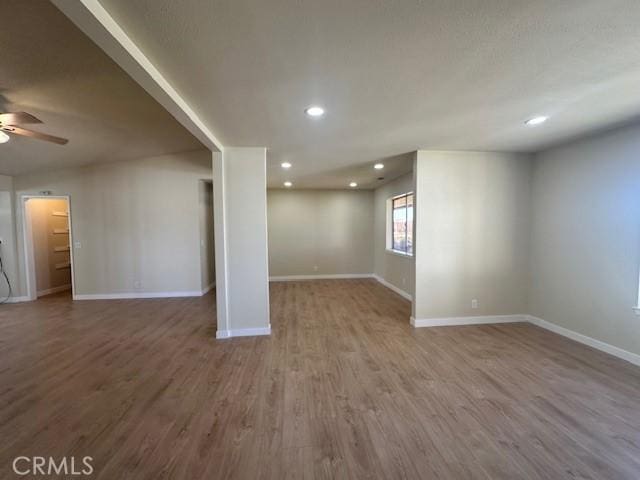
(137, 284)
(474, 303)
(404, 281)
(315, 268)
(77, 245)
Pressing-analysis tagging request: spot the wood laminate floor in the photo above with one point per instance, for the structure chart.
(343, 388)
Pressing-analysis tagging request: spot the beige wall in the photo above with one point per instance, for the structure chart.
(49, 258)
(241, 206)
(8, 248)
(135, 223)
(472, 233)
(396, 269)
(320, 232)
(586, 237)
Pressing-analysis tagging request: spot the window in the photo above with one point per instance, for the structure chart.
(400, 230)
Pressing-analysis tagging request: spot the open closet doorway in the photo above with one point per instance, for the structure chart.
(207, 242)
(48, 246)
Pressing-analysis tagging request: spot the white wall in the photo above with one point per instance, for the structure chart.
(472, 233)
(396, 269)
(586, 237)
(240, 213)
(136, 221)
(320, 232)
(50, 277)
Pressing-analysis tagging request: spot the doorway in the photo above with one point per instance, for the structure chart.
(207, 241)
(48, 245)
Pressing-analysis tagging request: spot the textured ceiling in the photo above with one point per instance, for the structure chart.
(52, 70)
(393, 76)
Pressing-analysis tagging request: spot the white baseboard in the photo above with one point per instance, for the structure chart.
(49, 291)
(480, 320)
(591, 342)
(243, 332)
(390, 286)
(565, 332)
(337, 276)
(208, 288)
(133, 295)
(18, 299)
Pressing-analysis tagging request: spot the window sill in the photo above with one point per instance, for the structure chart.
(399, 253)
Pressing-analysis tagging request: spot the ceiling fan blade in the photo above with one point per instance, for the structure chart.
(17, 118)
(30, 133)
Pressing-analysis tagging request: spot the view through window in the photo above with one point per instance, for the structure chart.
(402, 224)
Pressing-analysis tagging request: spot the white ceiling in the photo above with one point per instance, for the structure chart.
(52, 70)
(394, 76)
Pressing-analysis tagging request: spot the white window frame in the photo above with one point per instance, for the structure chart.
(389, 225)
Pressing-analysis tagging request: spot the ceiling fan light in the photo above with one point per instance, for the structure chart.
(4, 138)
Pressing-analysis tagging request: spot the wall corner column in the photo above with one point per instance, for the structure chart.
(240, 224)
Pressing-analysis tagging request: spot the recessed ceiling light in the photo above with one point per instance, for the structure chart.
(353, 184)
(314, 111)
(287, 184)
(285, 165)
(4, 138)
(378, 166)
(536, 120)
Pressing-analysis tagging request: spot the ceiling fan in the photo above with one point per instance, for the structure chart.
(10, 123)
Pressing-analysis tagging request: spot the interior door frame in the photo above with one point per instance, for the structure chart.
(27, 238)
